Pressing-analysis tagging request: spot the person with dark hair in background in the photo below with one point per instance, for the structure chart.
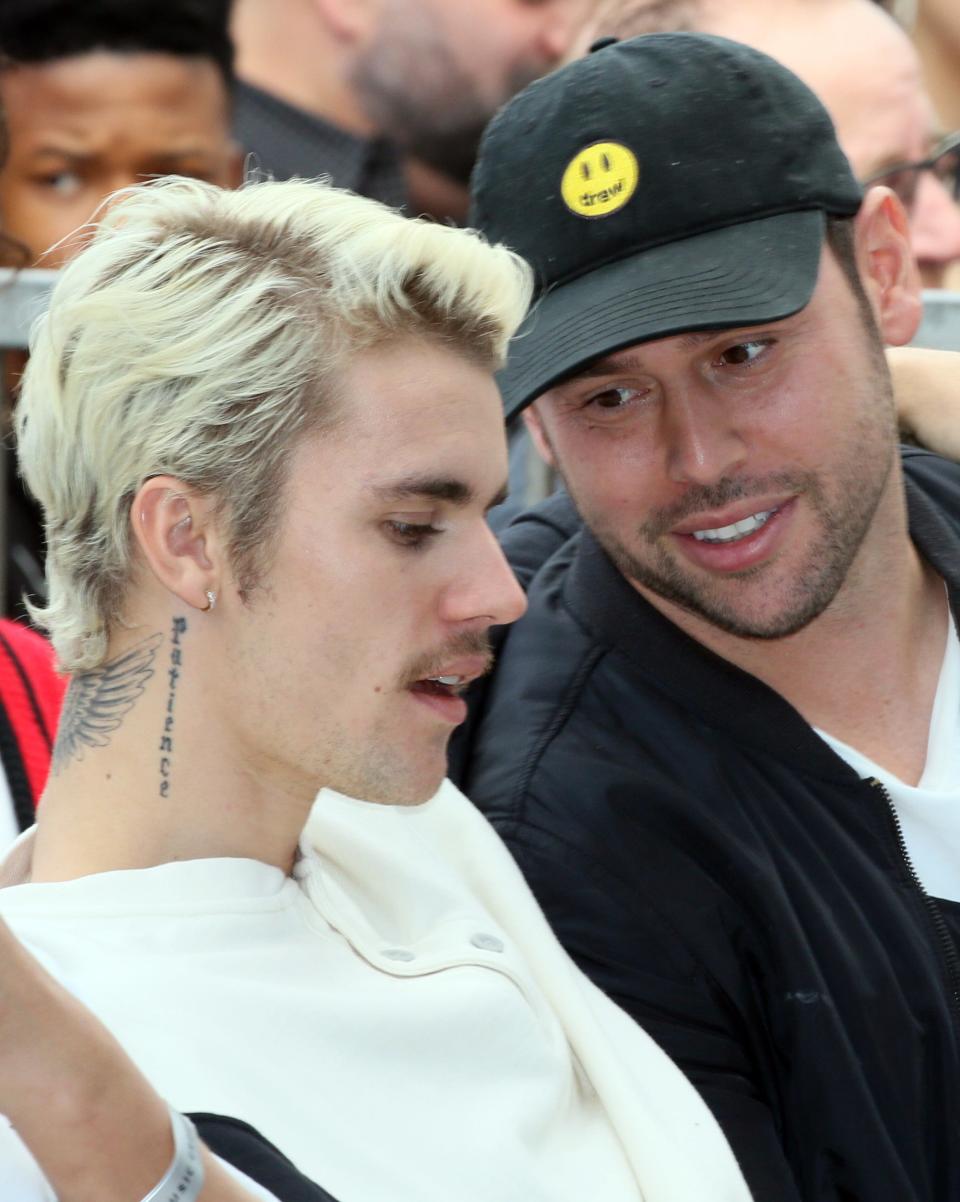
(102, 95)
(99, 96)
(723, 742)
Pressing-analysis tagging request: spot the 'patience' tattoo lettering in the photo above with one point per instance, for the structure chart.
(173, 674)
(97, 701)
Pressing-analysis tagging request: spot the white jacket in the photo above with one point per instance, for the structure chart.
(398, 1017)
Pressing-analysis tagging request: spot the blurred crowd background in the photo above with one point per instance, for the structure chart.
(390, 97)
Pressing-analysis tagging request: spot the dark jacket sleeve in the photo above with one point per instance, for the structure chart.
(533, 536)
(635, 953)
(246, 1149)
(529, 541)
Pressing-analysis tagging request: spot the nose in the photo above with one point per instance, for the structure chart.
(934, 229)
(486, 592)
(702, 443)
(561, 21)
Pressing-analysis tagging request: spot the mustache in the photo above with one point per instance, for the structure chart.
(702, 497)
(469, 642)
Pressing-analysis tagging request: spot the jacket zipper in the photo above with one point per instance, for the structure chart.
(939, 925)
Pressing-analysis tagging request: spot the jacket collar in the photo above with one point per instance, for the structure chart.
(722, 695)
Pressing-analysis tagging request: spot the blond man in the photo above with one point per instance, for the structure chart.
(264, 430)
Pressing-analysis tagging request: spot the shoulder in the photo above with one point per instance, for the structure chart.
(577, 736)
(534, 535)
(542, 664)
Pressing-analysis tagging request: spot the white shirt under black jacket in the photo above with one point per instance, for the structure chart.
(929, 812)
(397, 1018)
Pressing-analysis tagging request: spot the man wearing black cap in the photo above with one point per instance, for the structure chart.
(723, 742)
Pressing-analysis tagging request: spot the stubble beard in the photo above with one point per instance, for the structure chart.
(842, 513)
(418, 95)
(392, 772)
(813, 586)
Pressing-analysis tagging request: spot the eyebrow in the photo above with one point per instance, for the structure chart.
(610, 366)
(61, 152)
(185, 152)
(435, 488)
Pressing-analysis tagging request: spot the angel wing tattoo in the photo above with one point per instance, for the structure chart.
(98, 701)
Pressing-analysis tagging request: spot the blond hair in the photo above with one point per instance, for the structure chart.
(199, 335)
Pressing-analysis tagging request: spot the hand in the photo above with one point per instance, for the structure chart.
(927, 388)
(93, 1123)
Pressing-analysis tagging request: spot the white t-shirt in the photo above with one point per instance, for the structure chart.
(397, 1018)
(929, 811)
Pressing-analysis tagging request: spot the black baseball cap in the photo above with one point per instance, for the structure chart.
(665, 184)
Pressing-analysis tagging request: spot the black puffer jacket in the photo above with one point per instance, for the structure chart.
(729, 880)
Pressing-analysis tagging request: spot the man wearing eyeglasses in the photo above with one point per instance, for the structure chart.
(865, 70)
(929, 188)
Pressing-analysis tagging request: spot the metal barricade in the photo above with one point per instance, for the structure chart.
(23, 296)
(940, 328)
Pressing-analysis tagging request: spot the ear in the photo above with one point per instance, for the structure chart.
(533, 420)
(349, 21)
(174, 529)
(887, 265)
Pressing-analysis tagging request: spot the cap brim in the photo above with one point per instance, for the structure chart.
(741, 275)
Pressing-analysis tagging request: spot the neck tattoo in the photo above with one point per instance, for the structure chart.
(173, 675)
(98, 701)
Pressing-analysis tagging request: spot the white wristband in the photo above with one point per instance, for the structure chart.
(183, 1180)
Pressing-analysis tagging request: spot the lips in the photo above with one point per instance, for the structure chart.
(454, 674)
(735, 530)
(713, 521)
(440, 689)
(736, 540)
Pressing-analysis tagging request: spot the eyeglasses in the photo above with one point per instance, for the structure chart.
(903, 178)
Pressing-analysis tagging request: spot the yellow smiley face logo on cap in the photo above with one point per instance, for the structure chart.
(600, 179)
